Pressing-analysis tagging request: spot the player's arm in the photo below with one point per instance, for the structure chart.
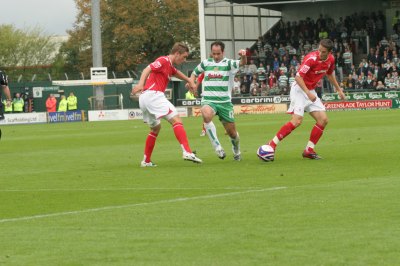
(339, 90)
(6, 91)
(303, 86)
(139, 87)
(243, 57)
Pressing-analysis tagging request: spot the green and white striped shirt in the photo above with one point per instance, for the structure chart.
(218, 79)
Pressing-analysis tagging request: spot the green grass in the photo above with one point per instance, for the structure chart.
(74, 194)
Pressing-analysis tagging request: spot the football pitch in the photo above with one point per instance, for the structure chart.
(74, 194)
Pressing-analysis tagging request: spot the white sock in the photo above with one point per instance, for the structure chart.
(211, 131)
(310, 145)
(236, 143)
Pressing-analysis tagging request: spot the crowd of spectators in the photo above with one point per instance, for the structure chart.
(275, 58)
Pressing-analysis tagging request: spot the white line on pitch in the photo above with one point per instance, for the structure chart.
(127, 189)
(136, 205)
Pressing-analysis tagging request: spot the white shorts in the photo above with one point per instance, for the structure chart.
(155, 106)
(300, 103)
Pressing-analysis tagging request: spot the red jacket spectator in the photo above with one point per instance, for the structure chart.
(51, 103)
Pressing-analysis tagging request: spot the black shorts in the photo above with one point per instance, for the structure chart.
(3, 79)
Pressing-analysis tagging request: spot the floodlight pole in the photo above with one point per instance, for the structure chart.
(97, 51)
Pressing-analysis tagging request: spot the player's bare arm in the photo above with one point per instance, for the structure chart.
(139, 87)
(243, 57)
(191, 84)
(303, 86)
(339, 90)
(7, 93)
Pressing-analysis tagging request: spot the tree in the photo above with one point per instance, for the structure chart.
(25, 49)
(133, 32)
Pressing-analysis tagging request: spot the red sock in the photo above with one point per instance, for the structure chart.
(285, 130)
(180, 135)
(150, 143)
(316, 133)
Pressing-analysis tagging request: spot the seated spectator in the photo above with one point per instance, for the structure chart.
(254, 88)
(264, 89)
(236, 87)
(380, 86)
(245, 87)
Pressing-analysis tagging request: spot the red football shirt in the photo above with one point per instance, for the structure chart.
(313, 68)
(161, 72)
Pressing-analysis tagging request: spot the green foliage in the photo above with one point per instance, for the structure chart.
(21, 51)
(78, 189)
(24, 48)
(133, 32)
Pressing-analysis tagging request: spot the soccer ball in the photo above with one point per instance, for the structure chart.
(266, 153)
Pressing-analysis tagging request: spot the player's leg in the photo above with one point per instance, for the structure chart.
(296, 108)
(317, 111)
(149, 145)
(235, 140)
(316, 133)
(203, 130)
(180, 134)
(208, 113)
(226, 115)
(145, 103)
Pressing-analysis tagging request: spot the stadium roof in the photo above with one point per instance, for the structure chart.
(275, 4)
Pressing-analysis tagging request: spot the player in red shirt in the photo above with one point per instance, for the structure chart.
(303, 97)
(154, 105)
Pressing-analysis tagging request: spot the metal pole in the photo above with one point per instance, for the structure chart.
(202, 30)
(97, 51)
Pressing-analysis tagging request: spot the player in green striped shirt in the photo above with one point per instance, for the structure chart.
(219, 73)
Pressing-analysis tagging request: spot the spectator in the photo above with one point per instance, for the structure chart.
(264, 88)
(254, 88)
(236, 87)
(348, 60)
(72, 102)
(246, 85)
(51, 103)
(189, 95)
(261, 72)
(380, 86)
(62, 106)
(18, 103)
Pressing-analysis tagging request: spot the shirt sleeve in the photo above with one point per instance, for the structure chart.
(305, 67)
(332, 67)
(200, 78)
(157, 65)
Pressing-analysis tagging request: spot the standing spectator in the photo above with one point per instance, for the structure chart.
(72, 102)
(6, 91)
(304, 98)
(261, 72)
(51, 103)
(216, 97)
(252, 67)
(283, 83)
(18, 103)
(62, 106)
(339, 65)
(272, 80)
(8, 108)
(348, 60)
(154, 105)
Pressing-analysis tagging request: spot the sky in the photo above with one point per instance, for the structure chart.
(54, 17)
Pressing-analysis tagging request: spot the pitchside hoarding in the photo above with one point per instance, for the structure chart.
(69, 116)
